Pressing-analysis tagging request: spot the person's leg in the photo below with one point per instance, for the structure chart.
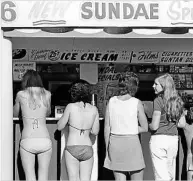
(28, 162)
(158, 151)
(86, 169)
(43, 165)
(72, 165)
(171, 155)
(190, 175)
(137, 175)
(120, 176)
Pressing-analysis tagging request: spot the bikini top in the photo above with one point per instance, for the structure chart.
(35, 121)
(81, 130)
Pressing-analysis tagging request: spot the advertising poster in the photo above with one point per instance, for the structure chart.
(19, 69)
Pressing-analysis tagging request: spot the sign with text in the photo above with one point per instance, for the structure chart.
(77, 55)
(145, 57)
(19, 69)
(176, 57)
(20, 54)
(101, 13)
(162, 57)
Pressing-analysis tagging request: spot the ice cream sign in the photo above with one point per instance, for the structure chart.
(101, 13)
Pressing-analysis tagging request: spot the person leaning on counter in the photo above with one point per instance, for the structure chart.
(83, 120)
(34, 102)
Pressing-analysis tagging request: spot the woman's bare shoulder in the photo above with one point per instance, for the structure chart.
(21, 93)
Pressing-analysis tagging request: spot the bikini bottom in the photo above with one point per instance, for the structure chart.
(36, 145)
(80, 152)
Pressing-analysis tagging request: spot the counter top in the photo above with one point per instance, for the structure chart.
(48, 119)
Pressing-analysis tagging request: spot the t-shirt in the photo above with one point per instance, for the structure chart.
(165, 127)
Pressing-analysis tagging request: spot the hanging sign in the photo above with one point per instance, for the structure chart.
(158, 13)
(19, 69)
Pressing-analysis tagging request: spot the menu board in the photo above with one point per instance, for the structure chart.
(19, 69)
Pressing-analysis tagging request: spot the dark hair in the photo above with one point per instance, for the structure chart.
(128, 83)
(31, 79)
(80, 91)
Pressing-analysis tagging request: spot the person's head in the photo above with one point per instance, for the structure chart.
(128, 83)
(80, 91)
(31, 79)
(165, 85)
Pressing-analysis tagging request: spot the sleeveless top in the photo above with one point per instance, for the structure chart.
(123, 116)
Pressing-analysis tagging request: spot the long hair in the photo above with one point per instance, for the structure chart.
(32, 79)
(128, 83)
(80, 91)
(173, 104)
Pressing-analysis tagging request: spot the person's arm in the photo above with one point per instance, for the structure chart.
(49, 104)
(96, 126)
(154, 125)
(16, 107)
(107, 126)
(156, 117)
(182, 120)
(143, 125)
(65, 117)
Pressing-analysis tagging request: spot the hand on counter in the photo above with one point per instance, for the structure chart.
(57, 135)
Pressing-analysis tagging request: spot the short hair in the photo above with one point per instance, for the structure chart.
(80, 91)
(128, 83)
(31, 79)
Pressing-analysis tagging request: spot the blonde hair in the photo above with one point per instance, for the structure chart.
(173, 104)
(40, 94)
(31, 80)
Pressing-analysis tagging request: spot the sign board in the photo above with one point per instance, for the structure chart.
(162, 57)
(77, 55)
(19, 69)
(95, 55)
(101, 13)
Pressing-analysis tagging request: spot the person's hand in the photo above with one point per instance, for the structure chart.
(92, 138)
(57, 135)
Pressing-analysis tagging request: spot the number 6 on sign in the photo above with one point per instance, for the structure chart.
(7, 11)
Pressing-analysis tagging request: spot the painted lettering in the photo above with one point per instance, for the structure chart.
(179, 10)
(119, 10)
(7, 11)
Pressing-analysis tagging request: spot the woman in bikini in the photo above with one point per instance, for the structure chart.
(34, 102)
(83, 120)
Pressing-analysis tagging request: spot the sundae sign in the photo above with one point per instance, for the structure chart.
(101, 13)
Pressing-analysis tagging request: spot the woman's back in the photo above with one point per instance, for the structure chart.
(81, 120)
(34, 113)
(123, 115)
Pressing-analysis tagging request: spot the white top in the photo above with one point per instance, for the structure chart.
(123, 116)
